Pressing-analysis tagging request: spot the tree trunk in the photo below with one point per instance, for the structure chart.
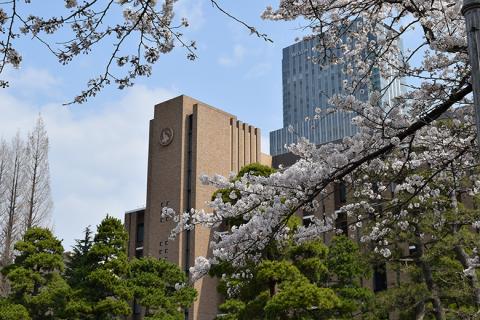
(9, 228)
(38, 204)
(438, 310)
(462, 256)
(273, 288)
(420, 311)
(472, 277)
(31, 202)
(10, 224)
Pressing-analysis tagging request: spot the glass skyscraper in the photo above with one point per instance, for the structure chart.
(307, 86)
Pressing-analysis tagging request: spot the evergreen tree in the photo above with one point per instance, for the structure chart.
(159, 287)
(77, 265)
(292, 281)
(11, 311)
(104, 292)
(35, 278)
(305, 281)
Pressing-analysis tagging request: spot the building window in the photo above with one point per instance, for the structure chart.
(307, 218)
(412, 249)
(342, 193)
(140, 232)
(342, 223)
(380, 277)
(137, 309)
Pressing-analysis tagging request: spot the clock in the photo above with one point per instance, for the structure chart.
(166, 136)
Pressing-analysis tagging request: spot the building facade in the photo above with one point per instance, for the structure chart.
(307, 86)
(187, 139)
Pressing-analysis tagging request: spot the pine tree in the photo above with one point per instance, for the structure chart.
(104, 292)
(36, 276)
(160, 288)
(304, 281)
(11, 311)
(77, 265)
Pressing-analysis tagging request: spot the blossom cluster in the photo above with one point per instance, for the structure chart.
(147, 24)
(403, 165)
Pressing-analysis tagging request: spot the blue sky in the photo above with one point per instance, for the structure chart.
(98, 150)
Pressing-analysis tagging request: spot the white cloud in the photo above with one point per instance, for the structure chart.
(33, 82)
(98, 159)
(235, 58)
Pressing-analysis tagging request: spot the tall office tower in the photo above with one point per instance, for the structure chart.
(187, 139)
(306, 86)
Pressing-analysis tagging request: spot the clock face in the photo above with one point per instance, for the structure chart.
(166, 136)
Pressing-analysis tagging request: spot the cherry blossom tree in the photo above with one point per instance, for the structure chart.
(402, 153)
(131, 36)
(149, 22)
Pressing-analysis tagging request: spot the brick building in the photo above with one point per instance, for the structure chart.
(187, 139)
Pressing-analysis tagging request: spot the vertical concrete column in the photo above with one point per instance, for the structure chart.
(246, 132)
(234, 145)
(241, 145)
(258, 143)
(253, 145)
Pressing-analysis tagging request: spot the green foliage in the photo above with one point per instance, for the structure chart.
(301, 300)
(77, 264)
(230, 309)
(35, 277)
(100, 281)
(256, 169)
(104, 293)
(403, 299)
(10, 311)
(306, 281)
(309, 258)
(345, 262)
(159, 286)
(277, 271)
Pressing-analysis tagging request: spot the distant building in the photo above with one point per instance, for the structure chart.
(306, 86)
(187, 139)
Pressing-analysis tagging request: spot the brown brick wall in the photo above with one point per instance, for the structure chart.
(220, 144)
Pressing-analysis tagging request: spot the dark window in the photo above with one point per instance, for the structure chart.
(140, 233)
(342, 192)
(412, 249)
(341, 223)
(138, 253)
(307, 218)
(137, 309)
(307, 221)
(380, 277)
